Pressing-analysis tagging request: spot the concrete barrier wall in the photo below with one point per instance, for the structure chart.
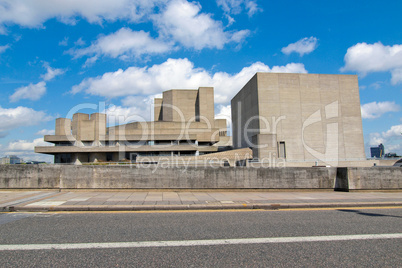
(118, 177)
(123, 177)
(386, 178)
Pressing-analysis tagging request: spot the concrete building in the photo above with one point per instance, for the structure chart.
(184, 125)
(302, 119)
(377, 152)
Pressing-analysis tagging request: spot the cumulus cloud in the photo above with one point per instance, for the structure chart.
(24, 145)
(13, 118)
(25, 149)
(183, 22)
(377, 109)
(124, 43)
(4, 48)
(33, 14)
(366, 58)
(133, 109)
(32, 92)
(224, 112)
(36, 91)
(120, 115)
(394, 131)
(305, 45)
(51, 72)
(175, 73)
(175, 20)
(45, 132)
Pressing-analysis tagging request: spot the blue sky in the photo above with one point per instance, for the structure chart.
(62, 56)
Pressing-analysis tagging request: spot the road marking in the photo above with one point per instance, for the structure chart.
(190, 243)
(205, 210)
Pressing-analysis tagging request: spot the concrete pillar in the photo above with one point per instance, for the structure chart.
(63, 127)
(158, 113)
(100, 125)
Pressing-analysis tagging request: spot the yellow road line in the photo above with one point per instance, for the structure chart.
(209, 210)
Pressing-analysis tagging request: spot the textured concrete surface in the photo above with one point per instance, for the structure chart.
(13, 200)
(158, 177)
(316, 116)
(117, 177)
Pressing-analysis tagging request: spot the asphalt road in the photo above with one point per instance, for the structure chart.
(106, 234)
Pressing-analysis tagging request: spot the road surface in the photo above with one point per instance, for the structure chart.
(282, 238)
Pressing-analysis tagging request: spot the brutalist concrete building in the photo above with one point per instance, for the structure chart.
(303, 119)
(184, 125)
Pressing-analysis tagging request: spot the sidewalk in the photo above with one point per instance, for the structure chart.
(51, 200)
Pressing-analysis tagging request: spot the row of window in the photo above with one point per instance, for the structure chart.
(134, 143)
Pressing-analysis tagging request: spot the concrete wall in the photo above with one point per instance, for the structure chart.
(317, 116)
(374, 178)
(244, 108)
(118, 177)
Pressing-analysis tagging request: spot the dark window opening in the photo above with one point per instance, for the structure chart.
(282, 149)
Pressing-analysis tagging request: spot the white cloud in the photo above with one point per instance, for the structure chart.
(183, 22)
(24, 145)
(376, 139)
(79, 42)
(51, 72)
(225, 112)
(133, 109)
(36, 91)
(33, 14)
(90, 61)
(12, 118)
(305, 45)
(394, 131)
(365, 58)
(252, 8)
(175, 73)
(124, 43)
(377, 109)
(119, 115)
(45, 132)
(64, 42)
(4, 48)
(395, 148)
(396, 76)
(25, 149)
(32, 92)
(236, 7)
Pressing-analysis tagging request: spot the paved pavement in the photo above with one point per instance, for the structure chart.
(24, 200)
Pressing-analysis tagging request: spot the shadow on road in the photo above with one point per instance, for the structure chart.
(368, 213)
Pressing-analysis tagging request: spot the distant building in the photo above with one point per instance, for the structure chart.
(377, 152)
(12, 159)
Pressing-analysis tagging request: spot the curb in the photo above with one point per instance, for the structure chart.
(197, 207)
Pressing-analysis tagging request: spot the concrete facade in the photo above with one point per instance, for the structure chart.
(301, 118)
(125, 177)
(184, 126)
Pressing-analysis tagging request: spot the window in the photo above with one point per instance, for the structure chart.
(282, 149)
